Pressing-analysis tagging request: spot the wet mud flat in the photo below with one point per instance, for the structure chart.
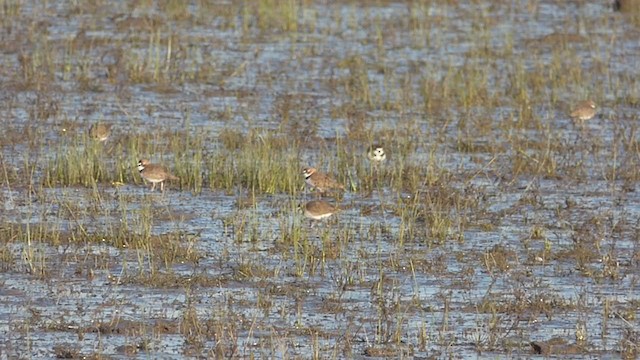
(497, 225)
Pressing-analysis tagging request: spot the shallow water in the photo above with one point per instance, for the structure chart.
(373, 280)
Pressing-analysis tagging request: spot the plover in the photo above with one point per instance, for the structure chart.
(584, 110)
(318, 209)
(154, 173)
(320, 181)
(100, 132)
(376, 154)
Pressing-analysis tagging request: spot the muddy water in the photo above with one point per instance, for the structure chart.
(508, 270)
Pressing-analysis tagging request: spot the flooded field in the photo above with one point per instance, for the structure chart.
(504, 221)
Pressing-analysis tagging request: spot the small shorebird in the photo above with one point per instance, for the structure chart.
(320, 181)
(318, 209)
(154, 173)
(584, 110)
(376, 154)
(100, 132)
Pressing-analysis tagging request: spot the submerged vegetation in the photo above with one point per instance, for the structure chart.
(494, 221)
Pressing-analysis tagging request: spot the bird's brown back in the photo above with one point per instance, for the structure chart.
(325, 181)
(157, 172)
(320, 207)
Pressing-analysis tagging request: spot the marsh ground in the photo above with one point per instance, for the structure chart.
(497, 227)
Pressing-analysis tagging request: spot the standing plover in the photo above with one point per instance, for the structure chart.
(376, 154)
(318, 209)
(100, 132)
(154, 173)
(320, 181)
(584, 110)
